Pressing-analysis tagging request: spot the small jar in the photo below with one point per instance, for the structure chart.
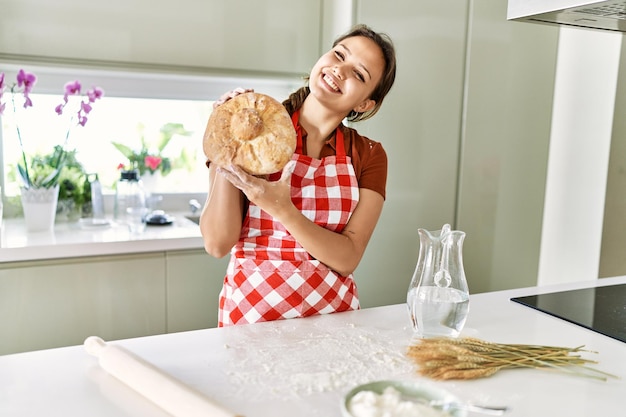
(130, 201)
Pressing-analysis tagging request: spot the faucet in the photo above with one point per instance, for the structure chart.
(194, 206)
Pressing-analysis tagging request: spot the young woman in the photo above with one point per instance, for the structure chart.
(296, 237)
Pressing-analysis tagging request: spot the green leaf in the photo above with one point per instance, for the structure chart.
(52, 179)
(166, 166)
(168, 130)
(125, 150)
(24, 175)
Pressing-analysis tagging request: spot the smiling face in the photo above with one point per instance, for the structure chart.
(343, 78)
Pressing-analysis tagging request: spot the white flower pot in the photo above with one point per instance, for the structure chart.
(152, 182)
(40, 207)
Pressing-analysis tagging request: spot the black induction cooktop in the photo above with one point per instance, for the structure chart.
(601, 309)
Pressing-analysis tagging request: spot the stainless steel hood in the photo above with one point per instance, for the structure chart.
(605, 15)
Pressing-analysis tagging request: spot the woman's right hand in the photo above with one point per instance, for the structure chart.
(231, 94)
(273, 197)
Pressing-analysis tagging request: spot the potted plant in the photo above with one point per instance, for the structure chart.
(41, 176)
(74, 190)
(150, 157)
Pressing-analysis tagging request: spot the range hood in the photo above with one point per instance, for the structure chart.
(605, 15)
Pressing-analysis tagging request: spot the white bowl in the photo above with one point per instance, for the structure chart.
(408, 390)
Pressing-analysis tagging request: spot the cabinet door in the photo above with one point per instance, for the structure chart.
(508, 116)
(267, 35)
(51, 304)
(194, 281)
(418, 125)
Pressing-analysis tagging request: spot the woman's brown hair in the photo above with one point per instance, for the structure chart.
(383, 41)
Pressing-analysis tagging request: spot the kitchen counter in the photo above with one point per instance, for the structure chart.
(70, 240)
(303, 367)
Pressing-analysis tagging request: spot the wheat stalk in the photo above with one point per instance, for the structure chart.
(470, 358)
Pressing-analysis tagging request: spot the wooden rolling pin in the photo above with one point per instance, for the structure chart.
(162, 389)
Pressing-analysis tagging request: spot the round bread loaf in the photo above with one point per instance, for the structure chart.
(251, 130)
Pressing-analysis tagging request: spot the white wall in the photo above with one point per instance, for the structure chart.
(580, 141)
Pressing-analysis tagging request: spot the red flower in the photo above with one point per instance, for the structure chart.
(152, 162)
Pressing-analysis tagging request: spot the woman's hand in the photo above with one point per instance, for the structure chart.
(273, 197)
(231, 94)
(341, 252)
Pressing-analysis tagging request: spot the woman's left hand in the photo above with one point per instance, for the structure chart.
(273, 197)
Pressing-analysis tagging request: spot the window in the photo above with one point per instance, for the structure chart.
(135, 104)
(113, 119)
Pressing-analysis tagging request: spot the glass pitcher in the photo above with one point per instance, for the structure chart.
(438, 296)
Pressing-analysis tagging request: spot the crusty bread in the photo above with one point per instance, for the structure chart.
(251, 130)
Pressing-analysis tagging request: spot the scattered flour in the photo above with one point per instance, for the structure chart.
(287, 363)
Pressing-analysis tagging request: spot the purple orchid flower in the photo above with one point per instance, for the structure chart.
(24, 85)
(26, 81)
(94, 94)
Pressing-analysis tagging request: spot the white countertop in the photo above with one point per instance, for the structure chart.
(303, 367)
(69, 240)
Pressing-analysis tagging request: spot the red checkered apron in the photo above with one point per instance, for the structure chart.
(270, 276)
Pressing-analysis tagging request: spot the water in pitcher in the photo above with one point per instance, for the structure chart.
(438, 312)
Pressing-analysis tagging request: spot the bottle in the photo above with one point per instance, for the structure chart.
(97, 202)
(130, 202)
(438, 296)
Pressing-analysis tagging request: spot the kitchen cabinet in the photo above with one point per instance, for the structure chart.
(268, 35)
(46, 304)
(612, 259)
(53, 303)
(418, 125)
(466, 128)
(194, 281)
(506, 135)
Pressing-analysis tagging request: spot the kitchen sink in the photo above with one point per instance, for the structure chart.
(195, 207)
(194, 218)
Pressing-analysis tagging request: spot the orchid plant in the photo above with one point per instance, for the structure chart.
(46, 172)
